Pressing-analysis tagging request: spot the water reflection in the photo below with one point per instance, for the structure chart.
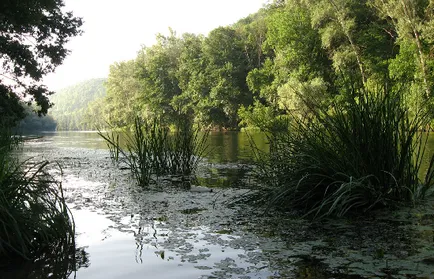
(85, 139)
(223, 146)
(163, 251)
(126, 232)
(226, 176)
(60, 260)
(234, 146)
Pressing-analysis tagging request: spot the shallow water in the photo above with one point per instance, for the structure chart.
(126, 232)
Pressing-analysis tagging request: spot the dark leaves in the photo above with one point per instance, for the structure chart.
(33, 34)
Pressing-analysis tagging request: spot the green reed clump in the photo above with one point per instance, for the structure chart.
(33, 215)
(135, 152)
(187, 146)
(360, 153)
(140, 154)
(151, 151)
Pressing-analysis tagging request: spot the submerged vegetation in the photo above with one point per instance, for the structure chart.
(150, 150)
(34, 219)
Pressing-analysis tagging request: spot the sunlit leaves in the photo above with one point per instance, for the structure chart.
(295, 95)
(413, 23)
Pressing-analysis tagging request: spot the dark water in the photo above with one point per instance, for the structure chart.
(224, 147)
(126, 232)
(234, 146)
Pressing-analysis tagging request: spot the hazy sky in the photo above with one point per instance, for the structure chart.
(114, 30)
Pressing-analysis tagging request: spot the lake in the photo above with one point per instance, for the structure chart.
(124, 231)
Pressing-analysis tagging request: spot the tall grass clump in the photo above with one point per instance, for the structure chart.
(133, 151)
(34, 218)
(186, 148)
(150, 150)
(360, 153)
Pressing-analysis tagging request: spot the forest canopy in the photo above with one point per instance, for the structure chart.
(264, 67)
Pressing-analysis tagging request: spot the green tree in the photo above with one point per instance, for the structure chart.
(94, 116)
(33, 35)
(157, 73)
(336, 22)
(253, 33)
(413, 24)
(191, 77)
(354, 37)
(227, 66)
(299, 57)
(297, 66)
(71, 104)
(121, 104)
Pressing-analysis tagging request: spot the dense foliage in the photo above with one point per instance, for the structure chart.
(187, 75)
(33, 35)
(258, 70)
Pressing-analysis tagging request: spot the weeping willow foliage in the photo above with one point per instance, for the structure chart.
(362, 152)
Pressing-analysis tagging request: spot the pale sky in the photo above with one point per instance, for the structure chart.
(115, 30)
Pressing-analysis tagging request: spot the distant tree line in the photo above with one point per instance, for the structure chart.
(33, 123)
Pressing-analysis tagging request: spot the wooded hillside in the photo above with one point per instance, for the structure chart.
(74, 106)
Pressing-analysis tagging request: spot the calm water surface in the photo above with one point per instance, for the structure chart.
(126, 232)
(129, 233)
